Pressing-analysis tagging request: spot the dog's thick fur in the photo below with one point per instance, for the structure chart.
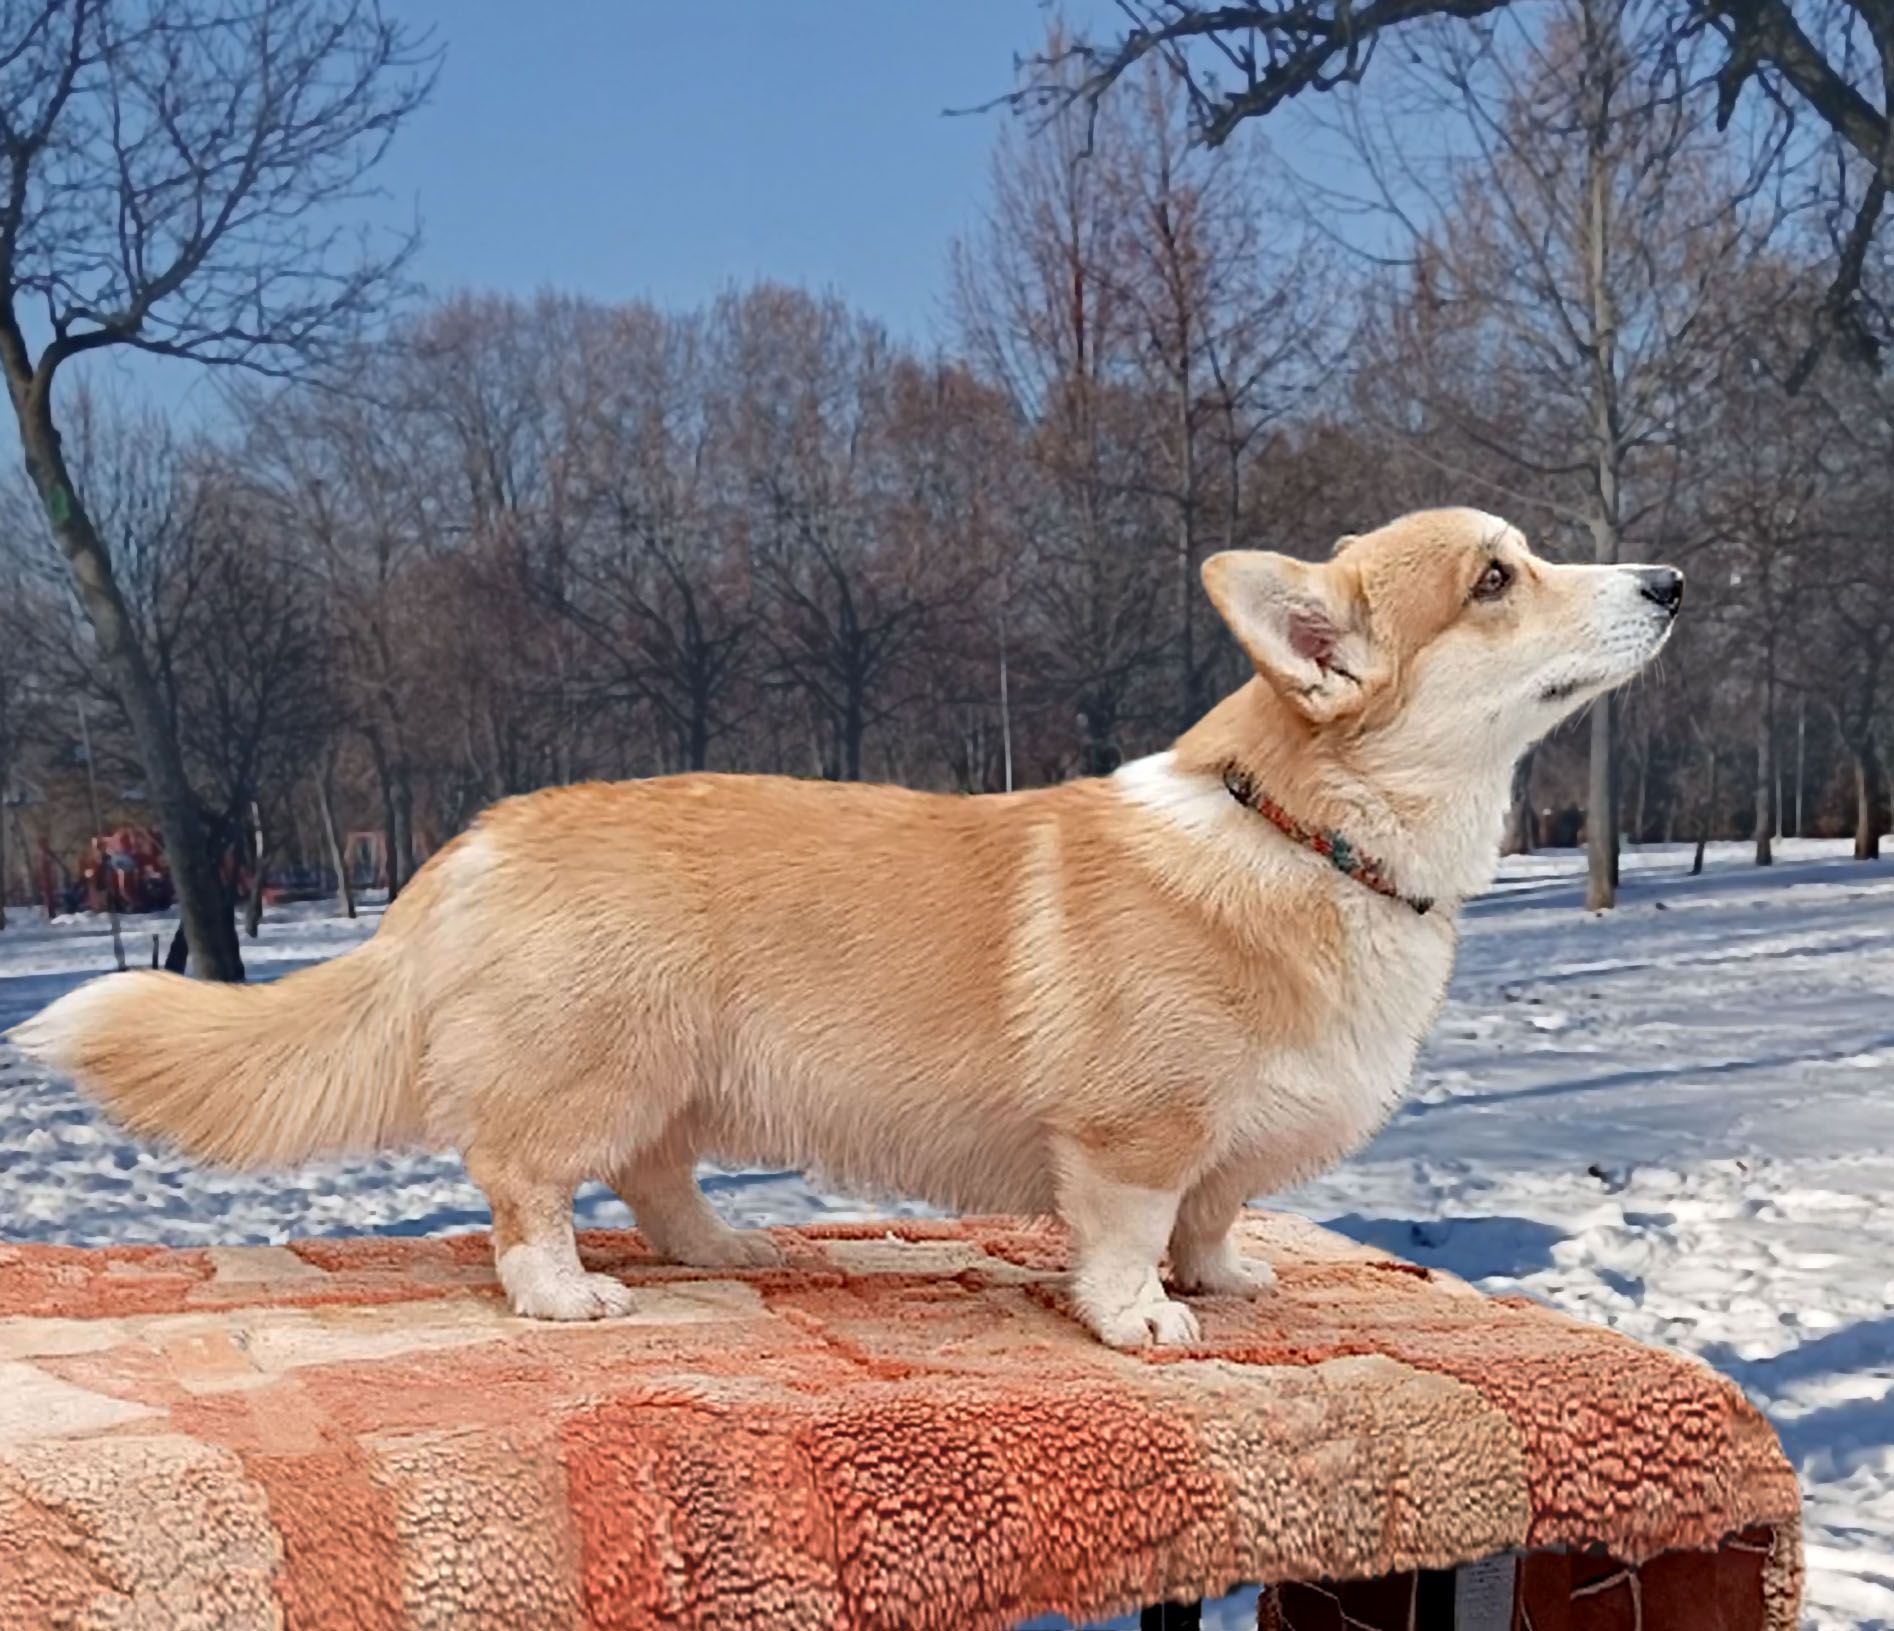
(1130, 1000)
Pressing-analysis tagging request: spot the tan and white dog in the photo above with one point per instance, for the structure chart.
(1134, 1001)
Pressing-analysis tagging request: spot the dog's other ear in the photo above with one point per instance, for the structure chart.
(1342, 543)
(1300, 624)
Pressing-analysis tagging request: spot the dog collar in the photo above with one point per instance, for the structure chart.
(1341, 854)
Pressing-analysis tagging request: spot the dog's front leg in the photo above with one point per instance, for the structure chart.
(1118, 1233)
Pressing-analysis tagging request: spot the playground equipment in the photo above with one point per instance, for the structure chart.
(123, 870)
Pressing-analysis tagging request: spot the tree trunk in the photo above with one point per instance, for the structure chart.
(1006, 708)
(401, 860)
(1631, 829)
(200, 893)
(1189, 704)
(1601, 812)
(1098, 750)
(259, 858)
(333, 842)
(1709, 811)
(107, 885)
(298, 850)
(390, 816)
(1801, 760)
(219, 844)
(1867, 802)
(697, 743)
(25, 851)
(48, 890)
(1765, 770)
(3, 851)
(1607, 451)
(854, 724)
(1519, 825)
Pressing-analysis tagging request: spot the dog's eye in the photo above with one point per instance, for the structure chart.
(1493, 581)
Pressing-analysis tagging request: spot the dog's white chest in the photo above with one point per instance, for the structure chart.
(1315, 1102)
(1301, 1105)
(1399, 967)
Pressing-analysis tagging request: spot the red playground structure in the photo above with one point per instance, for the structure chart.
(124, 871)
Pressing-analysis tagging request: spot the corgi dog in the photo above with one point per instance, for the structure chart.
(1134, 1000)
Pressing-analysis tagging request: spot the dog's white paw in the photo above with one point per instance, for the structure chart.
(573, 1297)
(1227, 1274)
(729, 1248)
(539, 1287)
(1159, 1320)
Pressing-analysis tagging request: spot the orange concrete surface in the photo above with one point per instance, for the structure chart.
(901, 1428)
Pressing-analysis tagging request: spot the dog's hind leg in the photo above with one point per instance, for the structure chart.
(1204, 1257)
(659, 1184)
(533, 1245)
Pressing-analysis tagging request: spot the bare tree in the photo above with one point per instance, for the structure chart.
(331, 837)
(235, 653)
(1041, 299)
(495, 394)
(1583, 246)
(960, 494)
(1844, 647)
(348, 484)
(253, 685)
(1762, 507)
(167, 168)
(1240, 62)
(845, 593)
(1218, 300)
(654, 583)
(12, 705)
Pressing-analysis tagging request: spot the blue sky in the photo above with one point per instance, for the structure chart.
(624, 148)
(620, 148)
(644, 148)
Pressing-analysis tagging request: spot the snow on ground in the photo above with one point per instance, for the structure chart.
(1677, 1119)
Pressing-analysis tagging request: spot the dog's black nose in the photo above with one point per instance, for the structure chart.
(1663, 584)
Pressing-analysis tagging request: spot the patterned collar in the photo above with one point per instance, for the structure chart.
(1341, 854)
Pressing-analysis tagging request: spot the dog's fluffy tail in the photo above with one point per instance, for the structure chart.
(321, 1062)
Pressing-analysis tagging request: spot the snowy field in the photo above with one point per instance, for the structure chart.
(1677, 1120)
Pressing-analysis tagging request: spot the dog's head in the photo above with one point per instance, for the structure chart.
(1441, 640)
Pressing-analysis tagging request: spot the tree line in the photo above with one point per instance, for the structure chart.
(426, 561)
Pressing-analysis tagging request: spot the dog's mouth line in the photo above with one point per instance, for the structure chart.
(1565, 690)
(1599, 679)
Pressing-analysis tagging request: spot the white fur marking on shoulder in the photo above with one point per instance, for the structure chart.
(473, 858)
(466, 871)
(52, 1035)
(1199, 804)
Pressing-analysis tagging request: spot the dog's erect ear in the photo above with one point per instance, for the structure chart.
(1301, 625)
